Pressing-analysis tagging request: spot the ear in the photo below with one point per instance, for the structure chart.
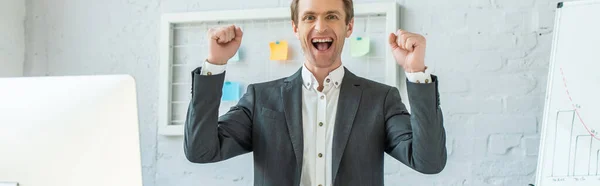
(295, 28)
(350, 28)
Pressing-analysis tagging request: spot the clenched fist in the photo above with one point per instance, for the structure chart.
(223, 43)
(408, 50)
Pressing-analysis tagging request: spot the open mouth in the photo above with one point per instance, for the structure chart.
(322, 44)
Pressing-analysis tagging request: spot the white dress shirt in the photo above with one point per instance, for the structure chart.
(318, 119)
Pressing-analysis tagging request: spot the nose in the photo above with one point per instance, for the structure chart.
(320, 26)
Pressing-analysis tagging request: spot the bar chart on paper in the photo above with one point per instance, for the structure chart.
(570, 138)
(574, 139)
(572, 134)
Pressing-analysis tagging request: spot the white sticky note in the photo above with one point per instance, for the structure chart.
(235, 57)
(359, 46)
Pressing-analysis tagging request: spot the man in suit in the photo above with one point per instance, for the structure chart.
(323, 125)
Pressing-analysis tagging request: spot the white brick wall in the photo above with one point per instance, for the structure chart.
(500, 144)
(12, 38)
(491, 58)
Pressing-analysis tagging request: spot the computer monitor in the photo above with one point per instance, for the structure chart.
(69, 131)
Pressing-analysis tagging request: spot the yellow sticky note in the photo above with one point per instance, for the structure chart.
(359, 46)
(279, 50)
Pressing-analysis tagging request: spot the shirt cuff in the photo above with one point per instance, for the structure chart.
(209, 69)
(418, 77)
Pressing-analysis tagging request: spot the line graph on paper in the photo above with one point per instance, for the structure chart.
(573, 133)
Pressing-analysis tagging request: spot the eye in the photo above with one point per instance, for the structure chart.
(331, 17)
(310, 17)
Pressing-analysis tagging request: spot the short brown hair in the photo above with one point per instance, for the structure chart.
(348, 8)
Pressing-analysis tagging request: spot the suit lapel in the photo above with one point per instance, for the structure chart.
(350, 95)
(291, 93)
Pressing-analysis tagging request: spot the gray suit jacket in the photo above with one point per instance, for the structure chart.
(371, 120)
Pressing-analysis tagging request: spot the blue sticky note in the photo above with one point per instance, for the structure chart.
(235, 57)
(231, 91)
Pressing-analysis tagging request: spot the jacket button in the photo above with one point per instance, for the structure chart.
(320, 155)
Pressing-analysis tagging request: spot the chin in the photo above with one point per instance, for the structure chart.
(323, 63)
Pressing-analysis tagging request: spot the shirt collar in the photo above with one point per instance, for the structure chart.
(333, 79)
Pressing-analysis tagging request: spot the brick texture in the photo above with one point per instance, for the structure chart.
(491, 57)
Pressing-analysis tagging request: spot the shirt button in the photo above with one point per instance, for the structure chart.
(327, 80)
(320, 124)
(209, 73)
(336, 83)
(322, 97)
(320, 155)
(320, 185)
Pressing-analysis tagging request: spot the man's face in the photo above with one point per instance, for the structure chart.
(321, 29)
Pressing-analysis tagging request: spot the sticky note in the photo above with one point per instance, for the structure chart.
(231, 91)
(359, 46)
(279, 50)
(235, 57)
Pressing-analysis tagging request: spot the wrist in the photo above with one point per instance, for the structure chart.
(414, 70)
(214, 61)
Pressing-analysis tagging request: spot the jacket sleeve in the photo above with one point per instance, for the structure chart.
(208, 137)
(417, 139)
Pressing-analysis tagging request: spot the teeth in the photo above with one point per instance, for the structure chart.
(322, 40)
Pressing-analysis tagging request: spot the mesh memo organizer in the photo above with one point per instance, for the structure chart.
(184, 47)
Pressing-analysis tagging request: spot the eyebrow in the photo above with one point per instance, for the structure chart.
(333, 12)
(328, 12)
